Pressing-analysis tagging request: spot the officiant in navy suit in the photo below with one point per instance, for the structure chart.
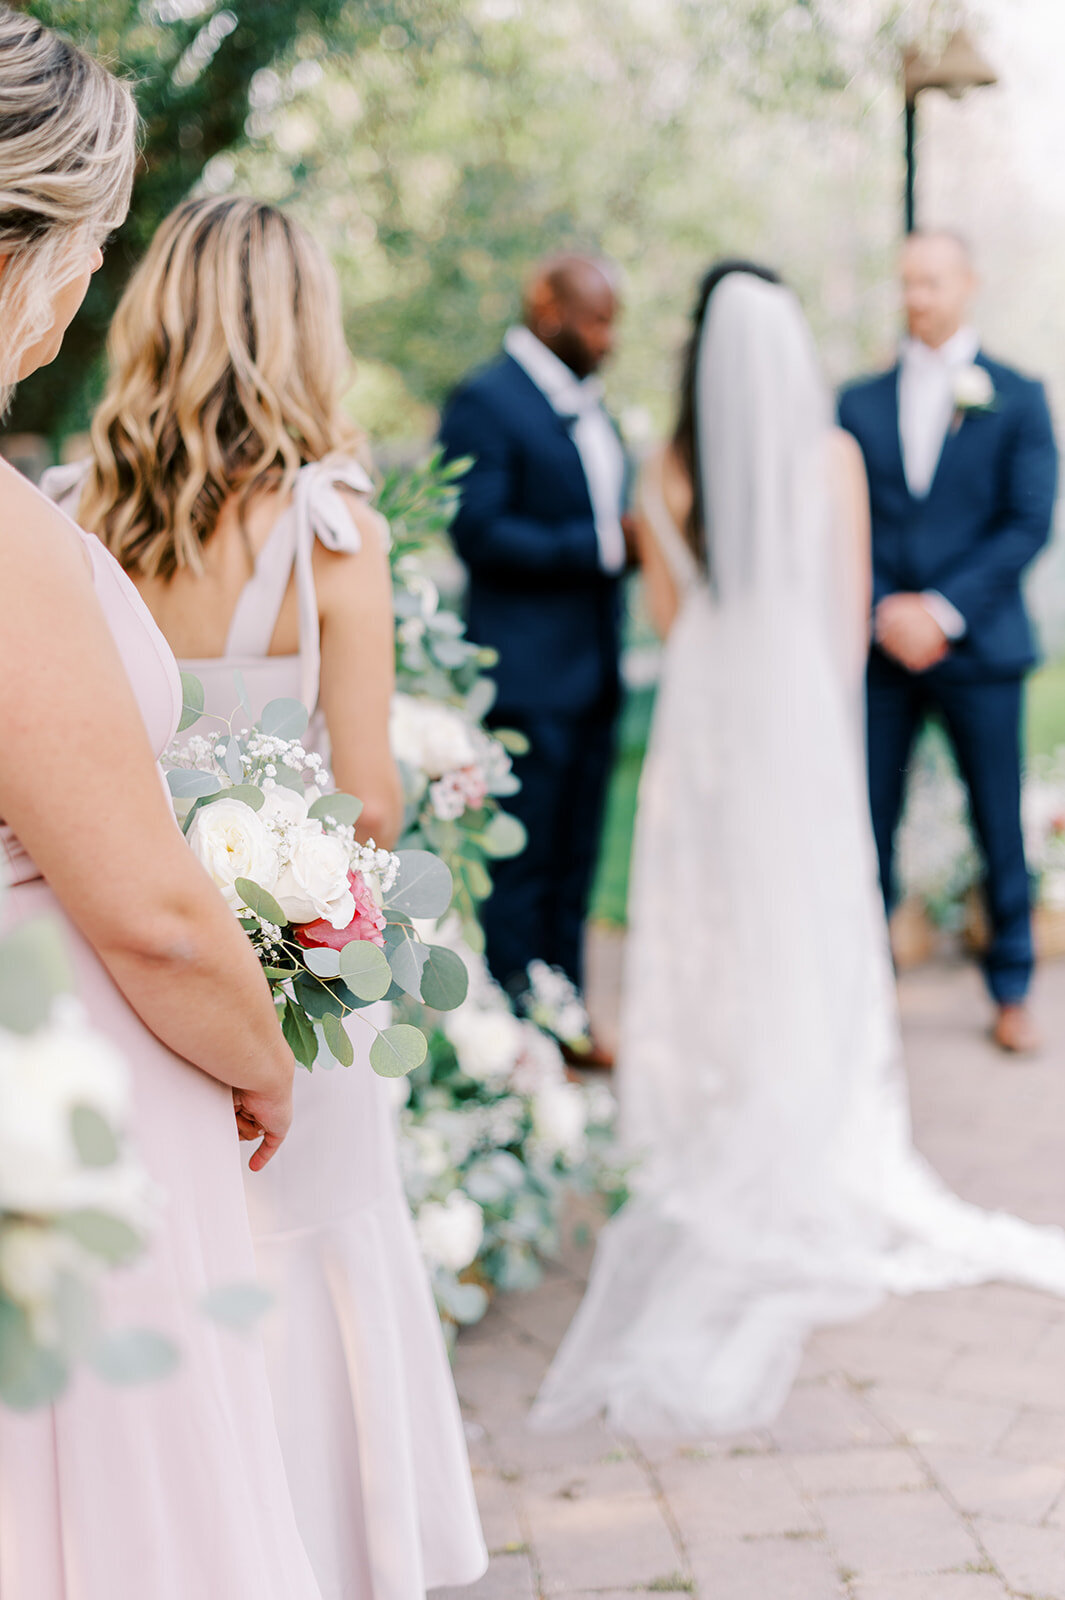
(962, 468)
(542, 530)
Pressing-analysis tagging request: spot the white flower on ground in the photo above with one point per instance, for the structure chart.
(314, 883)
(450, 1231)
(487, 1043)
(231, 841)
(430, 737)
(559, 1121)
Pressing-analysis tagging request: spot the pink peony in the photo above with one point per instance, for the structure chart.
(367, 924)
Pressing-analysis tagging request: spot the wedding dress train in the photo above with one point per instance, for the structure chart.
(760, 1070)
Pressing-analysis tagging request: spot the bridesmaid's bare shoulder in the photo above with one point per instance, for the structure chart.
(32, 527)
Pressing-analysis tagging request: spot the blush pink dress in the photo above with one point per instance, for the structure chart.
(363, 1393)
(173, 1490)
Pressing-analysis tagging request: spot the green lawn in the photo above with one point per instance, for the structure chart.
(1046, 731)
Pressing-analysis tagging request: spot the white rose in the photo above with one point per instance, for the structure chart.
(314, 884)
(450, 1232)
(559, 1120)
(429, 737)
(487, 1043)
(973, 389)
(44, 1077)
(231, 841)
(283, 806)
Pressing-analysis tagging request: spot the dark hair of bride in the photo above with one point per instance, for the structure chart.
(684, 440)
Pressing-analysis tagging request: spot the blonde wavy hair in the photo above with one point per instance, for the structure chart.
(228, 367)
(68, 144)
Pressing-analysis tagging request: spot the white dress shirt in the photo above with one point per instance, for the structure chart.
(598, 446)
(926, 410)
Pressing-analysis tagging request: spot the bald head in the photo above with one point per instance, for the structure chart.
(571, 305)
(938, 285)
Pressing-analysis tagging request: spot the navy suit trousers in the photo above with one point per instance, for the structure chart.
(539, 900)
(984, 724)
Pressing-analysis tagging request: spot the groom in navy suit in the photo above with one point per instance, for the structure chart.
(962, 474)
(542, 531)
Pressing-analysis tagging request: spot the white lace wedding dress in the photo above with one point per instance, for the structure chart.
(760, 1070)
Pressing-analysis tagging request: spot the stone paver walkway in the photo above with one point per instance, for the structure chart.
(921, 1455)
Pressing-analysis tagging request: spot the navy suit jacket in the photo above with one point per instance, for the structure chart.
(537, 592)
(986, 516)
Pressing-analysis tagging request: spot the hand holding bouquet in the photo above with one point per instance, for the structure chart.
(329, 918)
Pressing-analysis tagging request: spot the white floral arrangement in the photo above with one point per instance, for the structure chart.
(553, 1002)
(74, 1200)
(493, 1136)
(938, 860)
(1043, 817)
(449, 760)
(330, 919)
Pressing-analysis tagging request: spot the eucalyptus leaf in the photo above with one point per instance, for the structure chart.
(476, 877)
(513, 742)
(34, 970)
(299, 1032)
(94, 1137)
(504, 836)
(365, 969)
(463, 1302)
(237, 1305)
(260, 902)
(445, 979)
(188, 783)
(192, 698)
(341, 807)
(30, 1375)
(407, 961)
(231, 760)
(452, 652)
(319, 997)
(397, 1051)
(337, 1040)
(111, 1238)
(323, 962)
(134, 1355)
(242, 692)
(289, 779)
(284, 719)
(246, 793)
(481, 699)
(423, 887)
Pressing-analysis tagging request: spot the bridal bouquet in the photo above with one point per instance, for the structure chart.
(331, 920)
(74, 1201)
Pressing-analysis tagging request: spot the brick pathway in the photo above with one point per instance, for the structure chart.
(920, 1457)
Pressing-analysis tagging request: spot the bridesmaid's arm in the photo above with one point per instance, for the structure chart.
(358, 672)
(80, 788)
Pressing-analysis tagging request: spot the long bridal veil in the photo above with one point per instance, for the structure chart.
(760, 1071)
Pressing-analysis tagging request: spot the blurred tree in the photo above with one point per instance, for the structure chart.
(201, 70)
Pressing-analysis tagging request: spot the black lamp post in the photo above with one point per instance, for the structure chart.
(958, 68)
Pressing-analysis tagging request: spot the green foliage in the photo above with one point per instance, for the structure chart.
(34, 969)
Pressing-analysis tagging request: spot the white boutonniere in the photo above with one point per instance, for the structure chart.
(973, 391)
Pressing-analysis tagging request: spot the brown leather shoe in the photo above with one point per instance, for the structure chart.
(1015, 1032)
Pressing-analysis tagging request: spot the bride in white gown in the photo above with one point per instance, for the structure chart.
(760, 1071)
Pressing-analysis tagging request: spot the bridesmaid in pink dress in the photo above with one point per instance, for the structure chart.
(267, 557)
(176, 1489)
